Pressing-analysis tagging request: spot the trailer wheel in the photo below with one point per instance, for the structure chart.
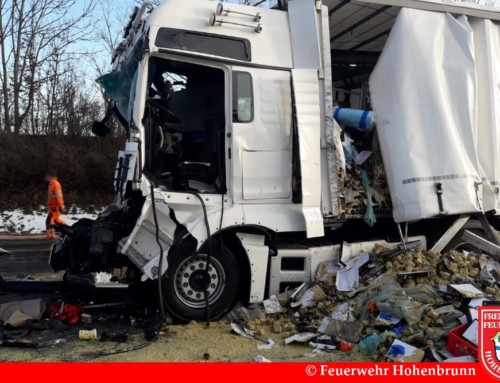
(187, 281)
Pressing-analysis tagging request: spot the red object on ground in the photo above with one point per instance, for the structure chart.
(68, 313)
(345, 346)
(371, 306)
(457, 345)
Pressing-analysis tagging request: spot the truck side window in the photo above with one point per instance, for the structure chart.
(242, 97)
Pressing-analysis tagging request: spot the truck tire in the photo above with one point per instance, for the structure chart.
(185, 283)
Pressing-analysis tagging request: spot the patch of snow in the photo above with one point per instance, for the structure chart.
(33, 222)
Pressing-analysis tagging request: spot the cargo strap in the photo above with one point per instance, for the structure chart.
(439, 192)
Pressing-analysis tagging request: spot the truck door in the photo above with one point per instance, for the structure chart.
(260, 143)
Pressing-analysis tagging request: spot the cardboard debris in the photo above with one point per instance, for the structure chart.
(471, 333)
(477, 302)
(404, 352)
(467, 290)
(310, 297)
(386, 319)
(327, 271)
(348, 278)
(272, 305)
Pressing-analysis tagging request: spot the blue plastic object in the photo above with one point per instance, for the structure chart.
(360, 119)
(398, 330)
(396, 350)
(385, 316)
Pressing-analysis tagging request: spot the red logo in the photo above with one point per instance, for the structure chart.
(489, 339)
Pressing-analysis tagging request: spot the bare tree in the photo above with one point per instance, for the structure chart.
(34, 33)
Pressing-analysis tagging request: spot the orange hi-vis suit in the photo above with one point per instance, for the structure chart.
(55, 204)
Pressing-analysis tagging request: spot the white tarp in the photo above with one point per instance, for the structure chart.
(424, 96)
(487, 54)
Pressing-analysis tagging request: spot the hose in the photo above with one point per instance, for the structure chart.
(160, 262)
(209, 254)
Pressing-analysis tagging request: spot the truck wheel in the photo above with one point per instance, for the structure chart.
(186, 282)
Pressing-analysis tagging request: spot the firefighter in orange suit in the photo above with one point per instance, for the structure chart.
(55, 203)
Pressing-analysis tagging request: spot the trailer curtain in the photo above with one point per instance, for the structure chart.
(435, 96)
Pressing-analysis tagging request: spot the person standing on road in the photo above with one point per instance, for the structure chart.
(55, 203)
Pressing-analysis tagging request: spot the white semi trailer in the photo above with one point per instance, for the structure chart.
(236, 180)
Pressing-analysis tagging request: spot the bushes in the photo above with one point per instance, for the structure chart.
(85, 165)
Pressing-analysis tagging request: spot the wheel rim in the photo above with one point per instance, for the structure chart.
(191, 281)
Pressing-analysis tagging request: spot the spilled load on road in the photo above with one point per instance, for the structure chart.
(408, 306)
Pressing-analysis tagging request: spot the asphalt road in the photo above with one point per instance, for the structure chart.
(192, 342)
(27, 255)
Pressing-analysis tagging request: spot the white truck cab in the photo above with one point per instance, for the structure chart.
(233, 177)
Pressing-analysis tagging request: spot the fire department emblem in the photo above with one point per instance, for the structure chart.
(489, 339)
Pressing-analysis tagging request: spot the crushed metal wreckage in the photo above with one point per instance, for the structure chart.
(393, 305)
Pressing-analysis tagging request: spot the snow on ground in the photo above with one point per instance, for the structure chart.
(20, 221)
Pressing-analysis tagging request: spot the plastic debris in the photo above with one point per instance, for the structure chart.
(348, 330)
(268, 346)
(260, 358)
(345, 346)
(102, 278)
(301, 338)
(240, 331)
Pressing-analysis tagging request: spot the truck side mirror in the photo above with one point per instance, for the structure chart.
(100, 129)
(220, 9)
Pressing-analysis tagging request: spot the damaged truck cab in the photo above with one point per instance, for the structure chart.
(204, 91)
(231, 143)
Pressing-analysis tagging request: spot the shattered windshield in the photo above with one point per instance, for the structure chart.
(120, 85)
